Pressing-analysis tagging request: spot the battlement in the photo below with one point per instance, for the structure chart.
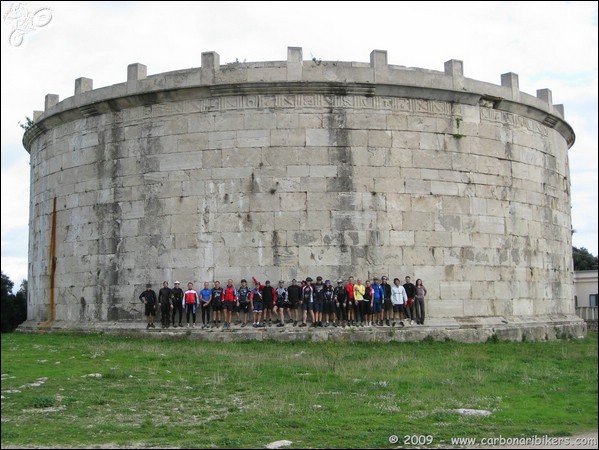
(297, 75)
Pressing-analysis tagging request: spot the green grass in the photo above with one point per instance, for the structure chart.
(190, 394)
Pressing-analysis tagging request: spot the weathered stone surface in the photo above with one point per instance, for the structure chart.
(290, 169)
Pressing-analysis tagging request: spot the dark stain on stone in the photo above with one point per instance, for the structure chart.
(82, 314)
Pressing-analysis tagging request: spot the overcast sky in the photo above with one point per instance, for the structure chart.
(549, 45)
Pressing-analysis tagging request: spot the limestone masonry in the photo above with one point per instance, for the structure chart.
(301, 168)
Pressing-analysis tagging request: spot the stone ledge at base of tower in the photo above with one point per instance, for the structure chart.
(465, 329)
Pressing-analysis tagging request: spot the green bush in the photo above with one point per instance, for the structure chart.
(14, 307)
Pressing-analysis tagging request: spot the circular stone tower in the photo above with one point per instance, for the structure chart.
(301, 168)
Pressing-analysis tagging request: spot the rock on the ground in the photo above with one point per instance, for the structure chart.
(473, 412)
(279, 444)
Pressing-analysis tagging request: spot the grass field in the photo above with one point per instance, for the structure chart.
(93, 390)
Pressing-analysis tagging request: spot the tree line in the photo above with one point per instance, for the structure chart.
(14, 307)
(583, 260)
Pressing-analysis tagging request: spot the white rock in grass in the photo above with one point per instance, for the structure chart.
(92, 375)
(36, 383)
(473, 412)
(279, 444)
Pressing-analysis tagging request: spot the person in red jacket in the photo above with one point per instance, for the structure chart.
(190, 297)
(229, 302)
(351, 302)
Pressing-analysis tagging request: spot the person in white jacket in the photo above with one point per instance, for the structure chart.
(398, 298)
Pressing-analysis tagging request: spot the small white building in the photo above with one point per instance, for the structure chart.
(585, 288)
(585, 294)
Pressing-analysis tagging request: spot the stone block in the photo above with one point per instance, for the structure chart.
(323, 171)
(287, 120)
(259, 121)
(319, 138)
(253, 138)
(446, 308)
(322, 256)
(293, 201)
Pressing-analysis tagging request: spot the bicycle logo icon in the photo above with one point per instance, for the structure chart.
(23, 20)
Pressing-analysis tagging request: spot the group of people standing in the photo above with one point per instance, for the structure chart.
(375, 303)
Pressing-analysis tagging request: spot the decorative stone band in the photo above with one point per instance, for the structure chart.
(220, 101)
(296, 83)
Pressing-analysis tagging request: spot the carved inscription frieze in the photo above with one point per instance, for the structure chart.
(494, 115)
(282, 101)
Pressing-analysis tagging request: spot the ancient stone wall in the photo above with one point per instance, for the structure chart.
(300, 168)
